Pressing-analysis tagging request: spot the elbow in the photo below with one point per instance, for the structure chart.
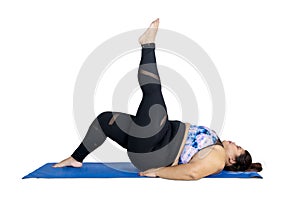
(198, 174)
(194, 178)
(194, 175)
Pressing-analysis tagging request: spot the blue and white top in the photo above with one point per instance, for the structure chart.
(199, 137)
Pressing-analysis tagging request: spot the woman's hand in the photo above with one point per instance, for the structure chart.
(150, 172)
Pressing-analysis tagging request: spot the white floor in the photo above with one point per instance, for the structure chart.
(254, 46)
(143, 188)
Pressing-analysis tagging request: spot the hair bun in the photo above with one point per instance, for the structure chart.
(255, 167)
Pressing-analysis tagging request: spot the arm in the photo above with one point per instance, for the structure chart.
(179, 172)
(204, 163)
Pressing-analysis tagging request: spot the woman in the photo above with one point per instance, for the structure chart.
(157, 146)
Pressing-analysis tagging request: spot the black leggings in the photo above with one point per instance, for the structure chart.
(151, 139)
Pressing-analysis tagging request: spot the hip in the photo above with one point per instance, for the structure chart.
(187, 126)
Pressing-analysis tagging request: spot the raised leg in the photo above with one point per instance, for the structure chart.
(141, 133)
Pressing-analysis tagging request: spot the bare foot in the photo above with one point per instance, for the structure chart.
(150, 34)
(68, 162)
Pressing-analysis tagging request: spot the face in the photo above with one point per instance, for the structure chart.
(232, 151)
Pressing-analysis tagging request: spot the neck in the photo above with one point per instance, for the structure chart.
(226, 154)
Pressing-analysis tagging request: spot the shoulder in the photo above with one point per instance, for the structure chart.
(214, 151)
(209, 160)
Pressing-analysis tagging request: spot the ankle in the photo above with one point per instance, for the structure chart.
(148, 45)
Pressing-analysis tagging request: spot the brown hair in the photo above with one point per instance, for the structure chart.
(244, 163)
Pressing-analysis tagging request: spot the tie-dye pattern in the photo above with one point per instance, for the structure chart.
(198, 138)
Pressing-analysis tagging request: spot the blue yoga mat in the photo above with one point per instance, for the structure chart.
(112, 170)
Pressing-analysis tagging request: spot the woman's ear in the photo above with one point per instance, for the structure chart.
(232, 161)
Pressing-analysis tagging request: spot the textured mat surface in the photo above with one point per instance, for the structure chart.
(112, 170)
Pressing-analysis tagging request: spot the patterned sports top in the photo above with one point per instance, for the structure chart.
(199, 137)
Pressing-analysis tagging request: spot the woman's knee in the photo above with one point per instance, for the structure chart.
(108, 117)
(105, 116)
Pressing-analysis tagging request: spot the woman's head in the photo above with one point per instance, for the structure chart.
(239, 159)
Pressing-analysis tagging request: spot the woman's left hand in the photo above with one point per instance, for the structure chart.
(150, 172)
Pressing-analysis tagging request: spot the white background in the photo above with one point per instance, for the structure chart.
(255, 46)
